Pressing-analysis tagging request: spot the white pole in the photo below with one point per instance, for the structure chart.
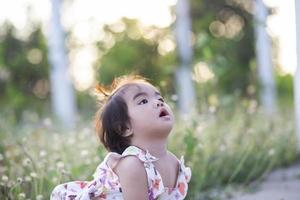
(264, 59)
(186, 93)
(297, 73)
(62, 92)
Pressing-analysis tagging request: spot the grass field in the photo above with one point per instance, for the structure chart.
(223, 148)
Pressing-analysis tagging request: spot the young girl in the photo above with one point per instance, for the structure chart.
(133, 124)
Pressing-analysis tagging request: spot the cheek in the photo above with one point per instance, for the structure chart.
(137, 117)
(140, 124)
(170, 111)
(141, 119)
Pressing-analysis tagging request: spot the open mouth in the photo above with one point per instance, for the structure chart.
(163, 113)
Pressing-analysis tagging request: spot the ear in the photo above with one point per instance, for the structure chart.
(128, 131)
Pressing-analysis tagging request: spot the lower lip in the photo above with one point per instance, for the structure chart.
(167, 117)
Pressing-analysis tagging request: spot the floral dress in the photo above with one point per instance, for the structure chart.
(106, 185)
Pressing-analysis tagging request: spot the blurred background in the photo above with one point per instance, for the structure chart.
(225, 66)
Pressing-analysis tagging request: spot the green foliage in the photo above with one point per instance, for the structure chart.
(23, 69)
(285, 88)
(234, 146)
(33, 160)
(223, 148)
(128, 47)
(132, 52)
(228, 52)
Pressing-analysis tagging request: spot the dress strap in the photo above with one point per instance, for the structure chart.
(186, 170)
(143, 155)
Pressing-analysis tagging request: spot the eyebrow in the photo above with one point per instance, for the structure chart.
(144, 93)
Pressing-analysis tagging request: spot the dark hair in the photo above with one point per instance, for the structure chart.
(112, 119)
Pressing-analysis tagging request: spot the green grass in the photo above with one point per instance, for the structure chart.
(234, 147)
(223, 148)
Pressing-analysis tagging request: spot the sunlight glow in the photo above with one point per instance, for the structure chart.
(86, 17)
(202, 73)
(110, 11)
(282, 25)
(23, 12)
(166, 46)
(81, 65)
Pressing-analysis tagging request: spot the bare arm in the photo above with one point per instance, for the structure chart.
(133, 178)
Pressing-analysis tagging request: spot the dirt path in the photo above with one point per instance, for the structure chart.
(281, 184)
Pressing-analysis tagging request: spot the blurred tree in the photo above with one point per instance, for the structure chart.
(134, 49)
(223, 38)
(23, 69)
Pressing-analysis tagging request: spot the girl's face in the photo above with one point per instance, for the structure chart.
(149, 115)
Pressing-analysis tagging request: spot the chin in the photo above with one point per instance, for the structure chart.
(165, 129)
(166, 124)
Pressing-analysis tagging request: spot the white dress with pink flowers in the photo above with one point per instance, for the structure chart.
(106, 184)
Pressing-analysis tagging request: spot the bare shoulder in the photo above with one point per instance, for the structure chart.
(131, 165)
(133, 178)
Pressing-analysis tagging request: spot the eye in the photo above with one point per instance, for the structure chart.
(161, 99)
(144, 101)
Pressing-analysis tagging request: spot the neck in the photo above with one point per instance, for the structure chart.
(157, 148)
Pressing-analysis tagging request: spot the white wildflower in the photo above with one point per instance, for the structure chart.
(60, 165)
(24, 140)
(47, 122)
(39, 197)
(4, 178)
(65, 172)
(19, 180)
(271, 152)
(22, 195)
(84, 153)
(28, 178)
(43, 153)
(26, 162)
(71, 141)
(54, 179)
(33, 174)
(212, 109)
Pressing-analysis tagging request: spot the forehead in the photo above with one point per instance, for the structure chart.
(135, 88)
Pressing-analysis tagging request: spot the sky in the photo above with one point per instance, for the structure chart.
(79, 14)
(282, 26)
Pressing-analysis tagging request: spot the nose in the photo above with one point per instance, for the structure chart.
(159, 103)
